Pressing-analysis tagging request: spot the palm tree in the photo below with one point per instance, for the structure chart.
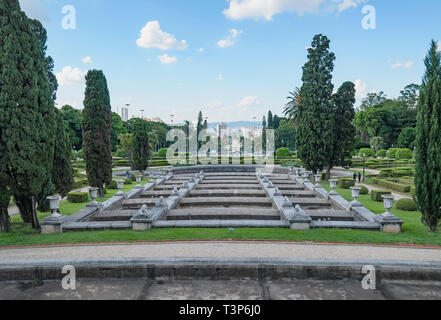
(292, 108)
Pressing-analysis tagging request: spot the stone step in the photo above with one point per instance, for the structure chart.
(239, 178)
(224, 214)
(228, 193)
(310, 204)
(229, 186)
(290, 187)
(249, 182)
(156, 194)
(330, 215)
(115, 215)
(283, 182)
(226, 202)
(136, 204)
(167, 187)
(298, 194)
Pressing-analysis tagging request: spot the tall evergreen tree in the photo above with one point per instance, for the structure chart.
(264, 122)
(96, 130)
(343, 114)
(140, 145)
(428, 142)
(315, 131)
(28, 116)
(270, 120)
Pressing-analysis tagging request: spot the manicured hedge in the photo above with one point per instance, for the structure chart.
(404, 154)
(365, 151)
(80, 183)
(393, 185)
(407, 205)
(162, 153)
(346, 183)
(78, 197)
(381, 153)
(376, 195)
(283, 152)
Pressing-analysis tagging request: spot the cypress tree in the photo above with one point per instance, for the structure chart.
(27, 110)
(96, 131)
(270, 120)
(343, 115)
(140, 145)
(428, 142)
(315, 127)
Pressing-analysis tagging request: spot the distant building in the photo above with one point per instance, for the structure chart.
(125, 114)
(221, 129)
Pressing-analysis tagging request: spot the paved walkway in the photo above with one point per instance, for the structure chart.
(224, 250)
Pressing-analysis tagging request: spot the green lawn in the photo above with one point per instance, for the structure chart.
(414, 231)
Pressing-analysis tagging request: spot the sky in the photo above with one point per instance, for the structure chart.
(231, 59)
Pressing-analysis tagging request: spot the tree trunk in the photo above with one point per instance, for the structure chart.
(101, 191)
(328, 174)
(5, 221)
(25, 210)
(35, 223)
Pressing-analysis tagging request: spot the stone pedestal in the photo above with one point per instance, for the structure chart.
(141, 223)
(52, 224)
(390, 223)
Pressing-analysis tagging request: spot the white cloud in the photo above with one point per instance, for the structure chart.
(230, 40)
(70, 75)
(361, 89)
(201, 50)
(87, 60)
(267, 9)
(214, 104)
(166, 59)
(406, 65)
(220, 77)
(153, 37)
(248, 102)
(347, 4)
(34, 9)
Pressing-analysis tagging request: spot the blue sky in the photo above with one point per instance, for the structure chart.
(232, 59)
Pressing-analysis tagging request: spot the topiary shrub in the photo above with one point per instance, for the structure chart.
(381, 153)
(283, 153)
(162, 153)
(364, 190)
(78, 197)
(407, 205)
(112, 186)
(365, 151)
(376, 195)
(128, 181)
(404, 154)
(393, 153)
(346, 183)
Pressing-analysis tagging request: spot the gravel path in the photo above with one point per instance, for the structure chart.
(232, 250)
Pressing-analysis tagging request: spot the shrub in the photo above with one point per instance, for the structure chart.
(404, 154)
(393, 185)
(346, 183)
(365, 151)
(78, 197)
(162, 153)
(80, 183)
(393, 153)
(407, 205)
(376, 195)
(364, 190)
(381, 153)
(112, 186)
(283, 152)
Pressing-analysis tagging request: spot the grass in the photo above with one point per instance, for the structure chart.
(414, 231)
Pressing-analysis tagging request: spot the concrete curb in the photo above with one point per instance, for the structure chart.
(219, 269)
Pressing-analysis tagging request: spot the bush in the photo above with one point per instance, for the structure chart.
(80, 183)
(162, 153)
(112, 186)
(381, 153)
(393, 153)
(376, 195)
(283, 152)
(78, 197)
(364, 190)
(393, 185)
(407, 205)
(404, 154)
(365, 151)
(346, 183)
